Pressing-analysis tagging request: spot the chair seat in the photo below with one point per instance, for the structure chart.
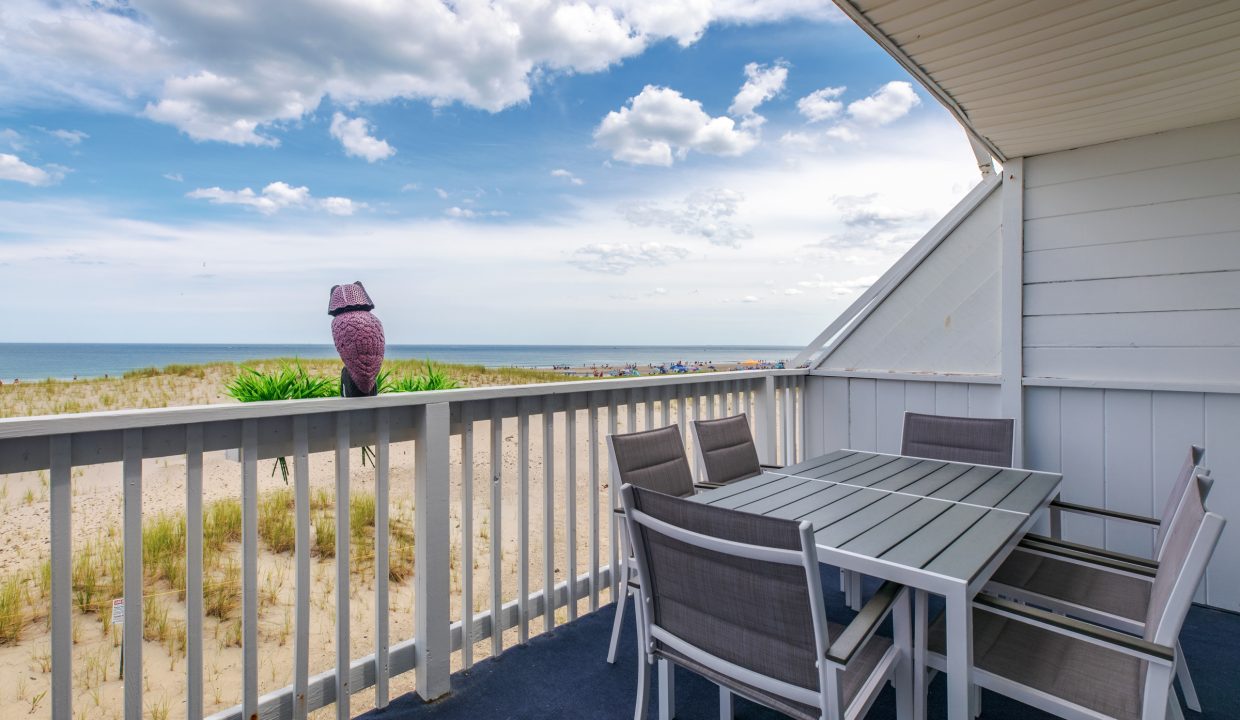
(852, 680)
(1082, 673)
(1109, 592)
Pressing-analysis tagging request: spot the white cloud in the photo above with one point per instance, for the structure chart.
(443, 194)
(234, 71)
(837, 288)
(890, 103)
(710, 214)
(13, 139)
(821, 104)
(762, 82)
(793, 291)
(174, 177)
(15, 169)
(844, 133)
(69, 137)
(660, 123)
(619, 258)
(410, 187)
(562, 173)
(750, 299)
(458, 212)
(275, 197)
(354, 135)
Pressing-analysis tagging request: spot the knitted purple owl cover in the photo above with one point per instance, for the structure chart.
(358, 335)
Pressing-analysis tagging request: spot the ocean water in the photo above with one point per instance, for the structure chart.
(36, 361)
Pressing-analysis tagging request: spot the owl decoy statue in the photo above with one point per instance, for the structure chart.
(358, 335)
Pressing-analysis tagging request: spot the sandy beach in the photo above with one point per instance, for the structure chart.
(97, 520)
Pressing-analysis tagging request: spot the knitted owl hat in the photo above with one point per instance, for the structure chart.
(345, 298)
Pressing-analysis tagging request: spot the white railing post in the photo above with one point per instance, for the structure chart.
(432, 592)
(765, 423)
(61, 511)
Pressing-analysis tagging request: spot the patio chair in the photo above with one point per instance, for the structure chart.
(1187, 471)
(737, 598)
(1101, 586)
(978, 441)
(1076, 669)
(727, 451)
(654, 460)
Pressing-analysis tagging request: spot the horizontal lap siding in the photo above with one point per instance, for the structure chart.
(1132, 260)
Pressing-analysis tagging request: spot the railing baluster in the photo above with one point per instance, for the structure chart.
(303, 540)
(648, 406)
(799, 417)
(548, 414)
(383, 434)
(131, 633)
(570, 495)
(249, 567)
(343, 616)
(497, 535)
(193, 571)
(523, 521)
(711, 389)
(665, 406)
(613, 527)
(592, 455)
(467, 536)
(682, 419)
(61, 532)
(432, 596)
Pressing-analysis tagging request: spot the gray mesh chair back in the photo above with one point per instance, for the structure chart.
(1191, 538)
(1174, 499)
(713, 607)
(652, 459)
(737, 598)
(727, 449)
(980, 441)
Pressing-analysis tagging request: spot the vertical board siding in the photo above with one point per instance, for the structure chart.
(1129, 478)
(1222, 427)
(1132, 259)
(1119, 449)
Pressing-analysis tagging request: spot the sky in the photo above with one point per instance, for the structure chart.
(512, 171)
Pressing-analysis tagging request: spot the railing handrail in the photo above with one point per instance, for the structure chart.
(44, 425)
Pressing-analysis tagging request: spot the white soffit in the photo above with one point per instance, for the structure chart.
(1035, 76)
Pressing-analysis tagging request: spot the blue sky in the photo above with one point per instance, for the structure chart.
(499, 172)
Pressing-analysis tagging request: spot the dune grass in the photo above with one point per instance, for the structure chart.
(177, 385)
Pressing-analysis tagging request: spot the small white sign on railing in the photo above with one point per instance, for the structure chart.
(118, 611)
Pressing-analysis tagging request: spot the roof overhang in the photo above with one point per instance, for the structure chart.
(1027, 78)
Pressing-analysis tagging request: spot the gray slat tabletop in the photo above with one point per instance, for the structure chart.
(948, 519)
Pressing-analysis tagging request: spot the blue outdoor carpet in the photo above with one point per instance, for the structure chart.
(564, 674)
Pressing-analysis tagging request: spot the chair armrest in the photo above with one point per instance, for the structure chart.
(707, 485)
(1089, 557)
(1103, 512)
(1096, 634)
(854, 637)
(772, 467)
(1042, 540)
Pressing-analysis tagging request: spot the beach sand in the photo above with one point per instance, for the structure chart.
(24, 546)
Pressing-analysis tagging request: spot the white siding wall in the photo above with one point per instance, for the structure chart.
(943, 317)
(1116, 448)
(1132, 259)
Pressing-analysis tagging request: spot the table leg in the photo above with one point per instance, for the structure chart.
(959, 654)
(902, 631)
(667, 690)
(921, 611)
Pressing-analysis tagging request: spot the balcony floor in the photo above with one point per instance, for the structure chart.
(564, 674)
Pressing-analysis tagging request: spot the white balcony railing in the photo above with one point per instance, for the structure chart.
(574, 414)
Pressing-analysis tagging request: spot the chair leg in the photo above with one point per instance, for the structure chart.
(615, 624)
(1186, 680)
(667, 690)
(725, 703)
(1174, 711)
(643, 687)
(902, 634)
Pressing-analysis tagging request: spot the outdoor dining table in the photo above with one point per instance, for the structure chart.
(936, 527)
